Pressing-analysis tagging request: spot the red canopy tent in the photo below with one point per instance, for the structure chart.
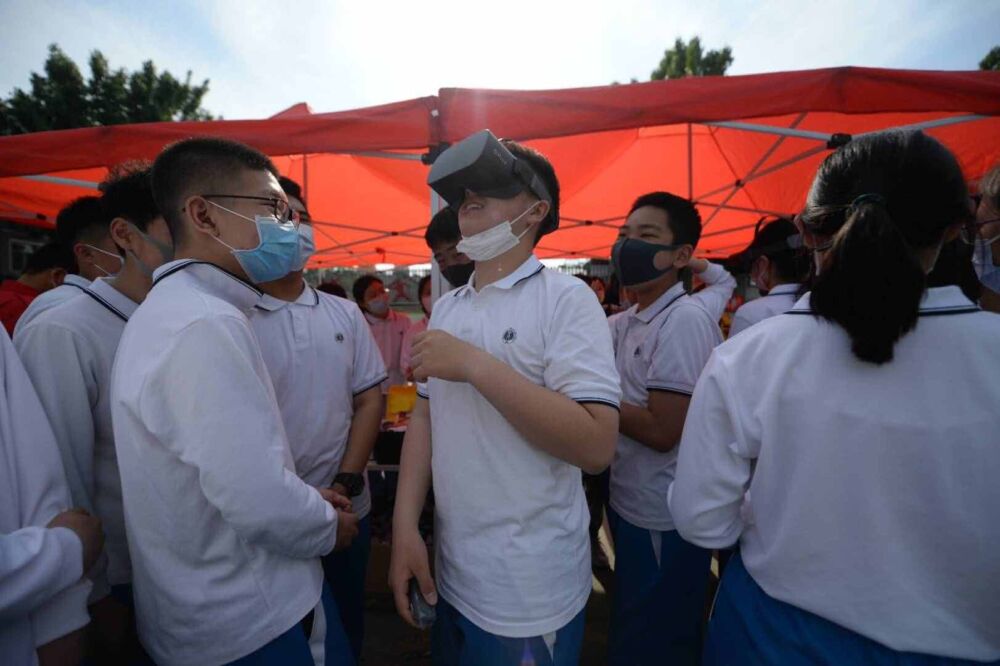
(741, 146)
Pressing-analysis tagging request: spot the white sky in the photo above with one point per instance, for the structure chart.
(263, 56)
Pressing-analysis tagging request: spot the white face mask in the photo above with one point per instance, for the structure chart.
(495, 241)
(121, 262)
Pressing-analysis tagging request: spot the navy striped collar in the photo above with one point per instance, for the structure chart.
(110, 298)
(230, 288)
(529, 269)
(937, 301)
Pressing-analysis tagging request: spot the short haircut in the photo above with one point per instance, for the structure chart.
(361, 286)
(82, 219)
(543, 169)
(197, 166)
(48, 256)
(293, 189)
(443, 228)
(333, 287)
(128, 193)
(683, 218)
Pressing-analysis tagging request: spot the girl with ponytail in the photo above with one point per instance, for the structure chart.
(850, 445)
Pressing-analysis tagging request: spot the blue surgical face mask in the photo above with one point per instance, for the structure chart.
(275, 255)
(307, 246)
(634, 261)
(982, 260)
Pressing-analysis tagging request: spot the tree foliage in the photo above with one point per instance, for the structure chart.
(991, 62)
(61, 98)
(688, 59)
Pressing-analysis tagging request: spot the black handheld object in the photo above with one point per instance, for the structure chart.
(423, 613)
(481, 164)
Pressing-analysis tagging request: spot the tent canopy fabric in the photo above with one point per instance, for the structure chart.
(740, 146)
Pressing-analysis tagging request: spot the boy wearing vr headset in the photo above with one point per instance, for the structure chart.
(777, 266)
(520, 392)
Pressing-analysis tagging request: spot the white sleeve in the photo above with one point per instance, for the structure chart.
(40, 568)
(212, 404)
(65, 383)
(740, 322)
(36, 564)
(684, 344)
(713, 470)
(719, 286)
(579, 358)
(369, 368)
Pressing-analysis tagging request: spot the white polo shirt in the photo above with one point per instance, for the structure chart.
(719, 286)
(42, 595)
(72, 286)
(68, 352)
(873, 490)
(513, 552)
(777, 301)
(662, 348)
(224, 536)
(388, 334)
(320, 353)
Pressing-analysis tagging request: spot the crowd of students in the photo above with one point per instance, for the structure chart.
(186, 424)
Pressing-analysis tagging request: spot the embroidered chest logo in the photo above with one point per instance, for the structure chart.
(340, 337)
(509, 336)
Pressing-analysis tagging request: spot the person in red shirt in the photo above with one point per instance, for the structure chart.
(46, 269)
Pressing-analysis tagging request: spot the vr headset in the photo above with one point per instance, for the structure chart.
(760, 247)
(481, 164)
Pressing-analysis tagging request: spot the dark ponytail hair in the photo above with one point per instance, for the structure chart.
(883, 197)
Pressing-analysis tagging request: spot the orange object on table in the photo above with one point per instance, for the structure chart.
(400, 401)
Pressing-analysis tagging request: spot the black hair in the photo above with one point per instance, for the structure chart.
(333, 287)
(683, 218)
(361, 286)
(48, 256)
(882, 197)
(420, 285)
(128, 193)
(190, 166)
(293, 189)
(81, 219)
(954, 267)
(771, 241)
(443, 228)
(544, 170)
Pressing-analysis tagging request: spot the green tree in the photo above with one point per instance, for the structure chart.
(991, 62)
(61, 98)
(688, 59)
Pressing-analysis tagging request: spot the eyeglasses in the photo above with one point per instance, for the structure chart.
(973, 231)
(278, 207)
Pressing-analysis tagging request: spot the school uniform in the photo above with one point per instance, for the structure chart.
(224, 537)
(777, 301)
(513, 552)
(68, 352)
(719, 286)
(72, 286)
(42, 593)
(388, 334)
(320, 354)
(869, 531)
(661, 580)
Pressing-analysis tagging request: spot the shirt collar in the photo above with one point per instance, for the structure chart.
(665, 300)
(101, 287)
(785, 289)
(215, 280)
(530, 268)
(76, 280)
(936, 300)
(308, 298)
